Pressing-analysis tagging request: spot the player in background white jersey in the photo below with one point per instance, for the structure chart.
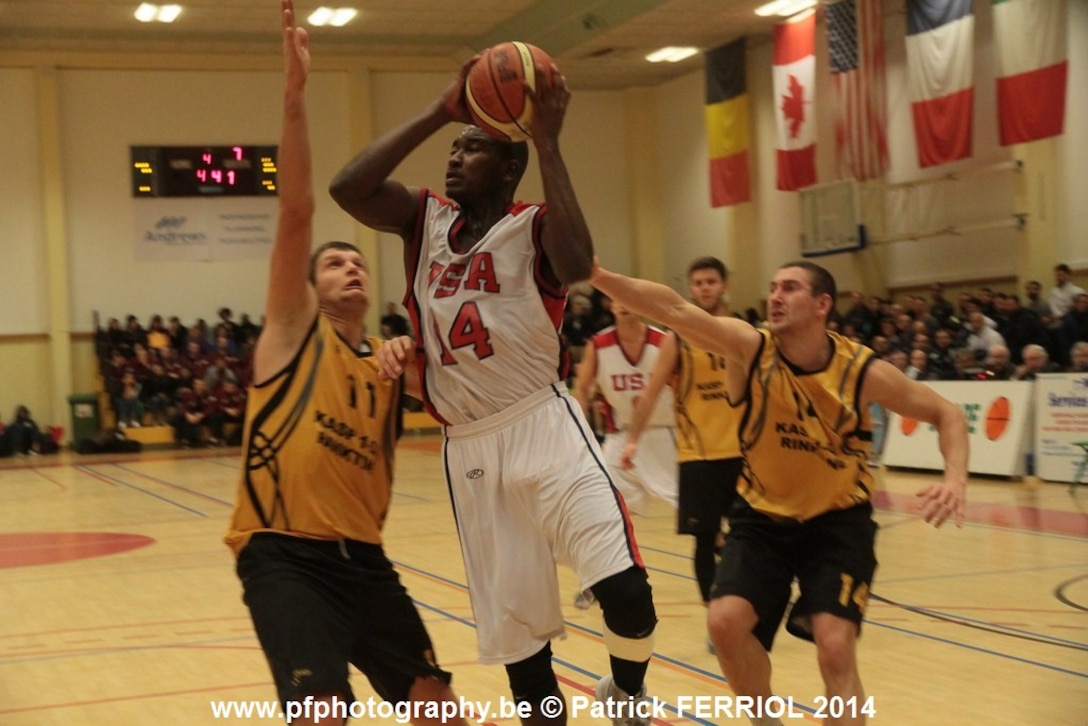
(614, 372)
(617, 365)
(487, 282)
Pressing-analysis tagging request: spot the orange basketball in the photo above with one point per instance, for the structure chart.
(997, 418)
(495, 88)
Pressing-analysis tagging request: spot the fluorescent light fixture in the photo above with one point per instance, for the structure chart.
(784, 8)
(148, 12)
(671, 54)
(336, 17)
(321, 16)
(343, 16)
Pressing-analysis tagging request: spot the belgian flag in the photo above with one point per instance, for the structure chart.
(727, 124)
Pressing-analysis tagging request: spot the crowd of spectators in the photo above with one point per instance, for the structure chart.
(186, 377)
(985, 335)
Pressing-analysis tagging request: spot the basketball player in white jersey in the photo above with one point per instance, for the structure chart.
(617, 363)
(487, 283)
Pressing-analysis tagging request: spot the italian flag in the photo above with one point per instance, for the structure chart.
(1030, 37)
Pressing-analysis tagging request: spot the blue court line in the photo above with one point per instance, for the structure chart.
(930, 612)
(165, 483)
(1053, 641)
(978, 649)
(90, 471)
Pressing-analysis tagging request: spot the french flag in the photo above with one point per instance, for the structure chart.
(1032, 68)
(795, 115)
(940, 34)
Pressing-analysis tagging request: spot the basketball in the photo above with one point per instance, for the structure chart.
(494, 90)
(997, 418)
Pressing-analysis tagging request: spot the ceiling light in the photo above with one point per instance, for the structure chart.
(784, 8)
(671, 54)
(343, 16)
(332, 16)
(148, 12)
(321, 16)
(168, 13)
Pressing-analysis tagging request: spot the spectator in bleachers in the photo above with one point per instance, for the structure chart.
(916, 306)
(1018, 326)
(899, 359)
(1036, 361)
(880, 346)
(393, 323)
(918, 369)
(941, 358)
(127, 406)
(939, 307)
(112, 370)
(1061, 298)
(157, 395)
(999, 365)
(1033, 290)
(922, 342)
(1078, 355)
(903, 337)
(179, 334)
(194, 406)
(198, 332)
(968, 367)
(157, 337)
(195, 359)
(985, 299)
(1078, 317)
(230, 408)
(219, 373)
(246, 329)
(134, 333)
(981, 337)
(115, 336)
(226, 320)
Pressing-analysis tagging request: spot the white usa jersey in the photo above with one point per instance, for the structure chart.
(622, 380)
(487, 319)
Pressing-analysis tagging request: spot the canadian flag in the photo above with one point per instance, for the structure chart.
(795, 117)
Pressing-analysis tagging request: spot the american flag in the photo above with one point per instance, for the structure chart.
(855, 30)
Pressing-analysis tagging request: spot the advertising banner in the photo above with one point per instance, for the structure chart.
(1061, 427)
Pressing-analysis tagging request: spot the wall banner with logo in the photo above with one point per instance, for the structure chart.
(999, 420)
(1061, 427)
(198, 228)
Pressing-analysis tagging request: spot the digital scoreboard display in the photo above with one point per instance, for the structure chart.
(203, 171)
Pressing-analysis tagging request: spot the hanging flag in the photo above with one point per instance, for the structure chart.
(855, 39)
(1030, 36)
(727, 124)
(939, 40)
(795, 116)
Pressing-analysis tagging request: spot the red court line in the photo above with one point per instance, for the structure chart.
(1036, 519)
(50, 479)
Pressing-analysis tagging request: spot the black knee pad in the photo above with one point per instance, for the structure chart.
(533, 678)
(627, 603)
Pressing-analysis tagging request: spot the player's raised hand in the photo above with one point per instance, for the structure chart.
(941, 501)
(549, 101)
(395, 355)
(453, 98)
(296, 47)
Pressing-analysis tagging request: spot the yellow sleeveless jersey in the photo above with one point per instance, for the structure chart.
(318, 446)
(706, 423)
(806, 443)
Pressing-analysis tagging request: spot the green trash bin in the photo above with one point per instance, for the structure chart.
(85, 418)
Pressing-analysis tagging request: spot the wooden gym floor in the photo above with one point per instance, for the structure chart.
(119, 602)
